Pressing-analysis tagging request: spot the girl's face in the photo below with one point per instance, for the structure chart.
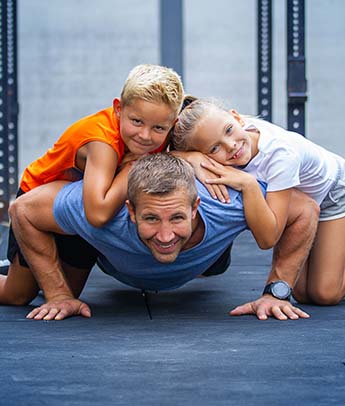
(221, 136)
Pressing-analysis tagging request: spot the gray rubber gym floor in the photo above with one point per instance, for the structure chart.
(190, 353)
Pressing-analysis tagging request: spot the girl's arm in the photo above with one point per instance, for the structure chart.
(103, 193)
(265, 218)
(217, 191)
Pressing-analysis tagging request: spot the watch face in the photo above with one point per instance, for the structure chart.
(281, 290)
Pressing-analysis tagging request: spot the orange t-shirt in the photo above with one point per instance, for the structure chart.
(58, 163)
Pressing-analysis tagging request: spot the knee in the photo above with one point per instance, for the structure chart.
(22, 301)
(18, 299)
(326, 296)
(310, 210)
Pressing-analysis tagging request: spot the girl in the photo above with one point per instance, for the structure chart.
(284, 160)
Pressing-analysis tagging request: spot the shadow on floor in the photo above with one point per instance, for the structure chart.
(191, 353)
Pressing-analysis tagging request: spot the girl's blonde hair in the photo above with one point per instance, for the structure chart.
(188, 120)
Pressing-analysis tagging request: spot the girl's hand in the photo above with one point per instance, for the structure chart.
(227, 175)
(217, 189)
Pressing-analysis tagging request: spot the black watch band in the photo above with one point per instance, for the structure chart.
(278, 289)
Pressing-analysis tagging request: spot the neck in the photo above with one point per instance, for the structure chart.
(254, 135)
(198, 230)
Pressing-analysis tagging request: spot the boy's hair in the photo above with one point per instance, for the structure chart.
(161, 174)
(188, 121)
(153, 83)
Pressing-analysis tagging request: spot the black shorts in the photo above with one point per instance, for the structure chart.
(221, 265)
(72, 249)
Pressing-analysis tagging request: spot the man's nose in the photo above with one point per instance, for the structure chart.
(165, 233)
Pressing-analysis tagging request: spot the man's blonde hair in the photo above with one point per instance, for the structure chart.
(155, 84)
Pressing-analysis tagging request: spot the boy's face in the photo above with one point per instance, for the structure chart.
(144, 126)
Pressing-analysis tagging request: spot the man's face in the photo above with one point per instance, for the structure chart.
(164, 222)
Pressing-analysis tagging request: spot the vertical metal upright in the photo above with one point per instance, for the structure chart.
(171, 34)
(296, 76)
(264, 49)
(8, 105)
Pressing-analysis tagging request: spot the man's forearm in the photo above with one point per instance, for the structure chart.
(293, 248)
(32, 220)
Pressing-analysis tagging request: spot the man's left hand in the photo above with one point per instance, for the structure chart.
(267, 306)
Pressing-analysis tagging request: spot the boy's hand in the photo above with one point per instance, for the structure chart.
(60, 309)
(268, 306)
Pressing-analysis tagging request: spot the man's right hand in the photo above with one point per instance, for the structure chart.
(59, 309)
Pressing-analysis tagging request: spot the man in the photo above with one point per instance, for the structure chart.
(167, 236)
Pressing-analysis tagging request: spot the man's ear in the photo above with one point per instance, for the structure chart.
(237, 116)
(131, 211)
(117, 107)
(195, 207)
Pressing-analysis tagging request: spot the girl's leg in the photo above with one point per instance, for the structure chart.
(322, 280)
(326, 271)
(19, 286)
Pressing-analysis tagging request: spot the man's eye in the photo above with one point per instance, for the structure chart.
(150, 219)
(178, 218)
(136, 121)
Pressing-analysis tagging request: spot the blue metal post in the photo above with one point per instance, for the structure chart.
(296, 80)
(8, 106)
(171, 34)
(264, 49)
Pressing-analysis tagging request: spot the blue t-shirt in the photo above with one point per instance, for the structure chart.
(130, 261)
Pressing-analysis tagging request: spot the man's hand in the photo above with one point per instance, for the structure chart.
(267, 306)
(59, 309)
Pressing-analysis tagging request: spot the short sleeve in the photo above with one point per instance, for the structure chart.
(282, 170)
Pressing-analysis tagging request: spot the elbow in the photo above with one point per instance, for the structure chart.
(14, 210)
(96, 220)
(266, 244)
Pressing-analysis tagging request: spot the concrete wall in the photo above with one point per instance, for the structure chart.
(75, 55)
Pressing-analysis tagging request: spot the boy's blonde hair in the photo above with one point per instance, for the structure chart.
(153, 83)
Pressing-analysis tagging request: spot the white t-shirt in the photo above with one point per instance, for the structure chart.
(287, 159)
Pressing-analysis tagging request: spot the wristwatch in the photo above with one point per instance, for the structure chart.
(279, 289)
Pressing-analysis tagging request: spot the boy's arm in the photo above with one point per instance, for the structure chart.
(32, 222)
(103, 192)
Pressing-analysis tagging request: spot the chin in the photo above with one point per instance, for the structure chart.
(165, 259)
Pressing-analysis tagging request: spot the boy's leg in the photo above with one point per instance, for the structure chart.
(19, 287)
(324, 279)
